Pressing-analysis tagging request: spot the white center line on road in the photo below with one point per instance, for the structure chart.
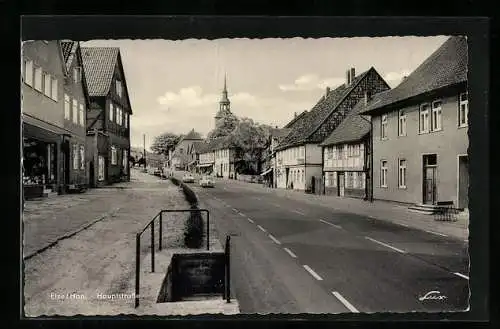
(345, 302)
(403, 225)
(250, 220)
(261, 228)
(258, 198)
(274, 239)
(386, 245)
(436, 233)
(290, 252)
(242, 214)
(328, 223)
(276, 205)
(298, 212)
(314, 274)
(461, 275)
(234, 209)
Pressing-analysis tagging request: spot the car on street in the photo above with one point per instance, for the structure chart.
(188, 178)
(207, 181)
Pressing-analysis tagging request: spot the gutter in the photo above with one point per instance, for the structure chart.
(370, 148)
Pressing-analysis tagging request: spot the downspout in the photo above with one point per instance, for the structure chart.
(323, 169)
(370, 149)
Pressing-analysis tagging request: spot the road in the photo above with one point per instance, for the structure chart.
(290, 256)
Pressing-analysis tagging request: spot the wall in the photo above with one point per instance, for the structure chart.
(447, 144)
(347, 162)
(48, 56)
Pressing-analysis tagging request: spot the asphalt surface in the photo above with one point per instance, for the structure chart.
(292, 257)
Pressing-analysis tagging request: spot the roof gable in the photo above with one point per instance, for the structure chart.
(124, 80)
(445, 67)
(99, 64)
(311, 122)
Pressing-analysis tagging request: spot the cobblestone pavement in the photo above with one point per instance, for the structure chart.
(68, 278)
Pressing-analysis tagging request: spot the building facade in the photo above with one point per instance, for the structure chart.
(207, 161)
(76, 105)
(108, 119)
(51, 162)
(420, 137)
(299, 156)
(182, 157)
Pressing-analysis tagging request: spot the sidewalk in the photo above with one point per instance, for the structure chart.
(381, 210)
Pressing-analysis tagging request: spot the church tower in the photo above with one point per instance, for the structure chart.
(224, 106)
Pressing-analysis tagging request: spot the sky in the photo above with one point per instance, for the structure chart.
(175, 86)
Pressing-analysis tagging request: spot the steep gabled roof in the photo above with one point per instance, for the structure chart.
(295, 119)
(99, 63)
(445, 67)
(352, 128)
(192, 135)
(304, 128)
(67, 48)
(198, 147)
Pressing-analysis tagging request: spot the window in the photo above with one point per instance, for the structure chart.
(423, 121)
(349, 183)
(463, 110)
(302, 149)
(402, 123)
(100, 169)
(77, 74)
(113, 155)
(334, 152)
(82, 115)
(75, 111)
(402, 173)
(75, 157)
(67, 107)
(383, 173)
(117, 114)
(125, 120)
(361, 180)
(54, 89)
(47, 84)
(354, 180)
(110, 111)
(329, 153)
(125, 160)
(38, 79)
(28, 72)
(436, 116)
(119, 90)
(383, 130)
(82, 157)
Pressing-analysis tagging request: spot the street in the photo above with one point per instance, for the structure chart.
(294, 257)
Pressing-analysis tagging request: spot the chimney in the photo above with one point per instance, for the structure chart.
(368, 97)
(327, 91)
(276, 127)
(348, 78)
(353, 74)
(295, 114)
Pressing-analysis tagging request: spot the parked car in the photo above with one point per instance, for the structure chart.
(207, 181)
(157, 171)
(188, 178)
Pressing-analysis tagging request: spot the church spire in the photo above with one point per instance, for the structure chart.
(224, 102)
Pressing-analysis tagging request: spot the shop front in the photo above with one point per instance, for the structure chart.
(40, 161)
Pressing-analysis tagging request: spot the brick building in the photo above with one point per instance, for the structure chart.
(420, 136)
(299, 158)
(108, 119)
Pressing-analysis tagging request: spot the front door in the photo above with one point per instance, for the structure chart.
(67, 163)
(463, 182)
(341, 184)
(429, 184)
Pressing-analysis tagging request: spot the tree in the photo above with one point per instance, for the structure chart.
(228, 124)
(250, 139)
(164, 143)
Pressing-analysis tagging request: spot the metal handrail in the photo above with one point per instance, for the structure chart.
(160, 243)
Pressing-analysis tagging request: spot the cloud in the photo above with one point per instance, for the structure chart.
(309, 82)
(187, 97)
(394, 78)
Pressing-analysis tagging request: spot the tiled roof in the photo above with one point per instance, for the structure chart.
(199, 146)
(308, 124)
(445, 67)
(99, 64)
(352, 128)
(192, 135)
(67, 47)
(295, 119)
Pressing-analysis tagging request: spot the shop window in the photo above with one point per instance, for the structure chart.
(113, 155)
(75, 111)
(75, 157)
(100, 169)
(82, 157)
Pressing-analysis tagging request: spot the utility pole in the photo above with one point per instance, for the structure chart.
(144, 149)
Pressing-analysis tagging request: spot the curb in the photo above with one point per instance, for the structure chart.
(70, 234)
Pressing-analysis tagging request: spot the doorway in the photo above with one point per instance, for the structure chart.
(463, 181)
(341, 184)
(66, 164)
(429, 184)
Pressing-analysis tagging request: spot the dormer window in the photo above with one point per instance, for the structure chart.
(77, 74)
(119, 90)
